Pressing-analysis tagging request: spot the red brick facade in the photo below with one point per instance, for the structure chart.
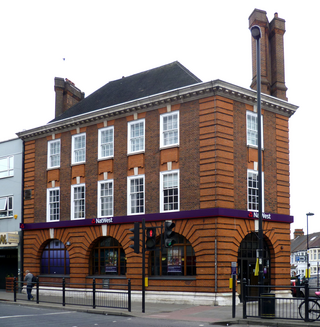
(212, 158)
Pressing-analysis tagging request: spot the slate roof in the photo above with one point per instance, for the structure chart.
(157, 80)
(300, 243)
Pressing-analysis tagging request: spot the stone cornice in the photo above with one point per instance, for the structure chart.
(181, 95)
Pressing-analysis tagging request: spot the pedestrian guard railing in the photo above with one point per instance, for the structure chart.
(281, 302)
(95, 295)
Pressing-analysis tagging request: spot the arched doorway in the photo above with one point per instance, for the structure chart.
(247, 256)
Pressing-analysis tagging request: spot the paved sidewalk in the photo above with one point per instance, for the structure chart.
(216, 315)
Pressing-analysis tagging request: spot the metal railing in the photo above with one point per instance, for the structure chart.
(116, 296)
(277, 302)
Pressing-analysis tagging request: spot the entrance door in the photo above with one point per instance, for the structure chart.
(8, 264)
(247, 256)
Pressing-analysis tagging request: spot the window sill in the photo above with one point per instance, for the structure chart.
(53, 276)
(134, 153)
(78, 163)
(53, 168)
(254, 147)
(190, 278)
(107, 277)
(105, 158)
(164, 147)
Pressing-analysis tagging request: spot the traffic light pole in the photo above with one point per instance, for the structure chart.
(143, 266)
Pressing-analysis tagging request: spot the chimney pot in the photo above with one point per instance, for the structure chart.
(67, 95)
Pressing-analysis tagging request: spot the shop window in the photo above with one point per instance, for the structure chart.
(107, 258)
(179, 260)
(55, 259)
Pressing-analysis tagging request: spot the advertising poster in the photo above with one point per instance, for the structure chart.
(174, 261)
(111, 264)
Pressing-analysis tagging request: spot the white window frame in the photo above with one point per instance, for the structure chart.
(6, 166)
(110, 144)
(255, 172)
(139, 138)
(50, 203)
(5, 206)
(73, 202)
(100, 183)
(162, 190)
(75, 150)
(131, 196)
(255, 131)
(50, 155)
(164, 130)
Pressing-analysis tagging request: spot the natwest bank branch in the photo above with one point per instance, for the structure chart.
(162, 145)
(208, 242)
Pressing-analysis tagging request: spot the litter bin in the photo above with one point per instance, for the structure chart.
(268, 305)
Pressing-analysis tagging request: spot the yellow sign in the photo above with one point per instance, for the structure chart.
(9, 239)
(256, 271)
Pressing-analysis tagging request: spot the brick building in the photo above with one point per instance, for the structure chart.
(162, 145)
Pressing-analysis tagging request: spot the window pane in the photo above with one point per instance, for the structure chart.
(136, 134)
(106, 139)
(79, 148)
(53, 259)
(6, 167)
(105, 258)
(54, 204)
(136, 195)
(106, 199)
(79, 202)
(172, 261)
(54, 154)
(170, 192)
(170, 129)
(253, 191)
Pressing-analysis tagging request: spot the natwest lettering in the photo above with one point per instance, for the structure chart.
(256, 215)
(103, 220)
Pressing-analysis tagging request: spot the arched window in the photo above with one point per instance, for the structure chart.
(179, 260)
(55, 259)
(107, 258)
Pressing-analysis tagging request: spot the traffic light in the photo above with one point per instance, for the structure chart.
(169, 234)
(135, 237)
(151, 239)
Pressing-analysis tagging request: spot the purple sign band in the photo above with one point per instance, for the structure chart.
(191, 214)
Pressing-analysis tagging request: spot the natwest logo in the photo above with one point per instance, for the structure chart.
(102, 220)
(254, 214)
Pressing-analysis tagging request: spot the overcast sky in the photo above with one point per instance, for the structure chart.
(94, 42)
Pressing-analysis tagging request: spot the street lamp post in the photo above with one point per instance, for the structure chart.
(308, 265)
(256, 34)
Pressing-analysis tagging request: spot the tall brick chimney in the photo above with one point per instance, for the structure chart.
(298, 232)
(272, 54)
(67, 95)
